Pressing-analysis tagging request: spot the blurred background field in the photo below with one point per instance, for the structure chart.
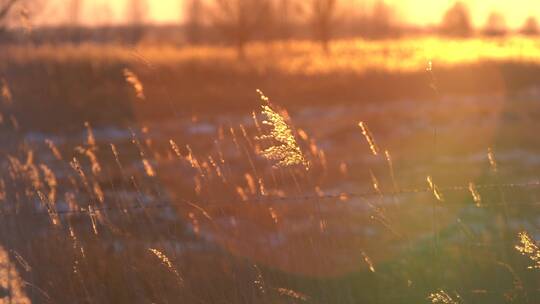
(211, 79)
(395, 159)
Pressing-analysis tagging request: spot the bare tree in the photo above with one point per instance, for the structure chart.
(284, 11)
(323, 14)
(136, 11)
(530, 27)
(18, 12)
(6, 6)
(457, 21)
(495, 25)
(194, 20)
(75, 12)
(74, 16)
(382, 18)
(238, 20)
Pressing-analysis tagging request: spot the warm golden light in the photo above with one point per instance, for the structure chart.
(395, 158)
(426, 12)
(415, 12)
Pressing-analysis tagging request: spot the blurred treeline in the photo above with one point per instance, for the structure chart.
(236, 22)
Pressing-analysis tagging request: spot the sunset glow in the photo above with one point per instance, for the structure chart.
(269, 151)
(415, 12)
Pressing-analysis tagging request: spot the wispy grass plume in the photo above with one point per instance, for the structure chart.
(527, 247)
(286, 152)
(134, 81)
(442, 297)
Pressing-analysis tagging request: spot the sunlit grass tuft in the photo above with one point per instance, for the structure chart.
(134, 81)
(442, 297)
(527, 247)
(286, 152)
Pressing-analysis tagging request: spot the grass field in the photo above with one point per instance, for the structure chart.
(86, 83)
(159, 175)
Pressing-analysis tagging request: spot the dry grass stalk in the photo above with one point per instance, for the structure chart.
(116, 156)
(5, 92)
(194, 223)
(91, 155)
(343, 169)
(166, 262)
(293, 294)
(70, 199)
(375, 182)
(90, 138)
(250, 183)
(369, 138)
(217, 169)
(134, 81)
(436, 192)
(51, 209)
(259, 280)
(14, 122)
(175, 148)
(50, 179)
(24, 264)
(220, 152)
(234, 138)
(286, 152)
(76, 166)
(200, 209)
(273, 214)
(492, 161)
(475, 194)
(528, 247)
(98, 192)
(11, 283)
(390, 164)
(262, 188)
(193, 161)
(54, 149)
(3, 193)
(368, 261)
(241, 193)
(148, 169)
(92, 214)
(76, 248)
(256, 122)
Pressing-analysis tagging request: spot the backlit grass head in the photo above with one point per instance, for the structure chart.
(527, 247)
(285, 152)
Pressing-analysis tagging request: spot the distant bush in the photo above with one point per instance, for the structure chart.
(530, 27)
(495, 25)
(457, 21)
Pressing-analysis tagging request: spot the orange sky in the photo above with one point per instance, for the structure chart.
(412, 11)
